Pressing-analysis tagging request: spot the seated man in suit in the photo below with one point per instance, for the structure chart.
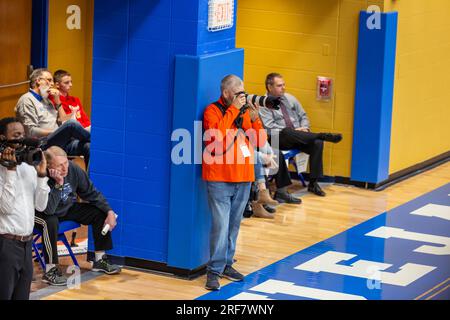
(291, 126)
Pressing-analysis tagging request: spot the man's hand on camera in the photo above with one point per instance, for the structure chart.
(9, 154)
(41, 168)
(304, 129)
(56, 175)
(239, 101)
(253, 110)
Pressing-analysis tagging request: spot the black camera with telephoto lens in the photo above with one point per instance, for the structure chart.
(261, 101)
(26, 150)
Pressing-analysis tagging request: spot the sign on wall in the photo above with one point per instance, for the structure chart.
(220, 14)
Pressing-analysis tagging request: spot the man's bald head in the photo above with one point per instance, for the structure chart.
(57, 159)
(53, 152)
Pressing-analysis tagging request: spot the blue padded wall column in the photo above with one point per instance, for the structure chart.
(373, 99)
(189, 215)
(135, 102)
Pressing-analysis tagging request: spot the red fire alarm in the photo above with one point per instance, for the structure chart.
(324, 88)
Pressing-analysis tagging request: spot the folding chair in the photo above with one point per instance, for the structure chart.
(289, 155)
(38, 247)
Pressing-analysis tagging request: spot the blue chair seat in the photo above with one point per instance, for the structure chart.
(64, 226)
(289, 155)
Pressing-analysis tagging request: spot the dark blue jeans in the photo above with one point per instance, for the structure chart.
(72, 137)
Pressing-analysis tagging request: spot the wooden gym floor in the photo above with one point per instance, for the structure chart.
(262, 241)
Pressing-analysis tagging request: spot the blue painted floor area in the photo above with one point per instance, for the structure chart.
(401, 254)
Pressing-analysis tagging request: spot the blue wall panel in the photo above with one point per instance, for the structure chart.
(39, 34)
(373, 99)
(135, 44)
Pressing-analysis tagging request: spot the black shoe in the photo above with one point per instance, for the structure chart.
(330, 137)
(284, 197)
(212, 281)
(269, 209)
(248, 212)
(315, 188)
(103, 265)
(54, 277)
(232, 274)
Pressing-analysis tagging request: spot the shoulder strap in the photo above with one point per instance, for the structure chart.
(221, 107)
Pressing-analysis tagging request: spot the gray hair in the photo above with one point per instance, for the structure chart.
(35, 75)
(230, 81)
(52, 152)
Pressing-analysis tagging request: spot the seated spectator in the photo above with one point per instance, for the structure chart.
(265, 160)
(70, 104)
(68, 182)
(49, 122)
(270, 162)
(291, 126)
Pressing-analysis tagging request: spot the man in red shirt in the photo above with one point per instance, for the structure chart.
(232, 131)
(71, 105)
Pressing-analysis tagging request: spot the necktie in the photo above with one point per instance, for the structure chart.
(285, 113)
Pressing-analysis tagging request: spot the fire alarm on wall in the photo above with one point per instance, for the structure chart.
(324, 88)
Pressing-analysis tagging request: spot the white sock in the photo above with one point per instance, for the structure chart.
(99, 255)
(48, 266)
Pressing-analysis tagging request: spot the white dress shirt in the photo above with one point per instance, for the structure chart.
(21, 192)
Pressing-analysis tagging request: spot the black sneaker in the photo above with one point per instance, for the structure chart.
(232, 274)
(54, 277)
(248, 212)
(103, 265)
(284, 197)
(212, 281)
(269, 208)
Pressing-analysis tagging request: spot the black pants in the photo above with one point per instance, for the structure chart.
(307, 142)
(282, 177)
(16, 269)
(83, 213)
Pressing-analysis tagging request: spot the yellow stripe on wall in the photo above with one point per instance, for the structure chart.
(421, 109)
(71, 50)
(303, 39)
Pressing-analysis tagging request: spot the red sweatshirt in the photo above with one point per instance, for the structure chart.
(74, 102)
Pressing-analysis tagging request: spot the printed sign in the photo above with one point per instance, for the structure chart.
(220, 14)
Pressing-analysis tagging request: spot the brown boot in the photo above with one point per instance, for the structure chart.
(265, 198)
(260, 212)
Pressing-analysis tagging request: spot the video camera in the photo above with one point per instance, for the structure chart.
(261, 101)
(26, 150)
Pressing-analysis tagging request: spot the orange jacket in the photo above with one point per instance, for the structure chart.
(220, 133)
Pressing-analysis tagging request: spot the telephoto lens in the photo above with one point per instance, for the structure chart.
(264, 101)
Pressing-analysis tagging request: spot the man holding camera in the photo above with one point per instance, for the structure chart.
(22, 189)
(69, 182)
(232, 129)
(49, 122)
(291, 124)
